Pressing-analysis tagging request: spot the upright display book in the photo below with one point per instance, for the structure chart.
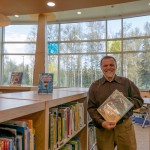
(45, 84)
(115, 107)
(16, 78)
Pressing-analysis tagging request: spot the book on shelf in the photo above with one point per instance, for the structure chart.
(45, 84)
(1, 144)
(16, 78)
(67, 147)
(58, 126)
(70, 119)
(53, 128)
(9, 137)
(19, 142)
(6, 143)
(17, 123)
(68, 114)
(81, 114)
(115, 107)
(63, 114)
(59, 130)
(75, 116)
(75, 142)
(92, 137)
(27, 123)
(64, 121)
(21, 130)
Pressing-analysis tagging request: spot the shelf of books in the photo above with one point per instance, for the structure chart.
(12, 135)
(92, 137)
(91, 134)
(53, 121)
(68, 124)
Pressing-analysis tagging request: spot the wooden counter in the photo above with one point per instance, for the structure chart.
(73, 89)
(12, 109)
(34, 96)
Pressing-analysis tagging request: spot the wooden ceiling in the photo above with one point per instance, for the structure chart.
(66, 10)
(24, 7)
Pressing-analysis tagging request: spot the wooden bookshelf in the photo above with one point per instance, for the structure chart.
(10, 89)
(35, 110)
(145, 94)
(32, 105)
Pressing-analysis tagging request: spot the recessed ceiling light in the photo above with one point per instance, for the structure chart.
(79, 12)
(16, 16)
(51, 4)
(148, 3)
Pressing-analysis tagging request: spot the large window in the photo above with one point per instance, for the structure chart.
(19, 42)
(80, 46)
(75, 49)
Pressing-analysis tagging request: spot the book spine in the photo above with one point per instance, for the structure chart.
(51, 131)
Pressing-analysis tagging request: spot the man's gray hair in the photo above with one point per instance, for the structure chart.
(108, 57)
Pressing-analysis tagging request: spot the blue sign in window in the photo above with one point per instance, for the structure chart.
(53, 48)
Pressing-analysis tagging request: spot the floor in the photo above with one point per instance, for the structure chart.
(142, 137)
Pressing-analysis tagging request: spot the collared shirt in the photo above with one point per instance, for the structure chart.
(101, 89)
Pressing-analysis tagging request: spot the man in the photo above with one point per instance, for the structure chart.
(110, 134)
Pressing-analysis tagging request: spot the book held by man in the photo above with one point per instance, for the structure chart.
(115, 107)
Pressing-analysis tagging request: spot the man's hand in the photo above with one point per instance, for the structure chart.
(108, 125)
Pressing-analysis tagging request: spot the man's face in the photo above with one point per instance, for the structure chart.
(108, 68)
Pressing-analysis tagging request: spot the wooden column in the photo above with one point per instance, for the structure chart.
(41, 49)
(1, 56)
